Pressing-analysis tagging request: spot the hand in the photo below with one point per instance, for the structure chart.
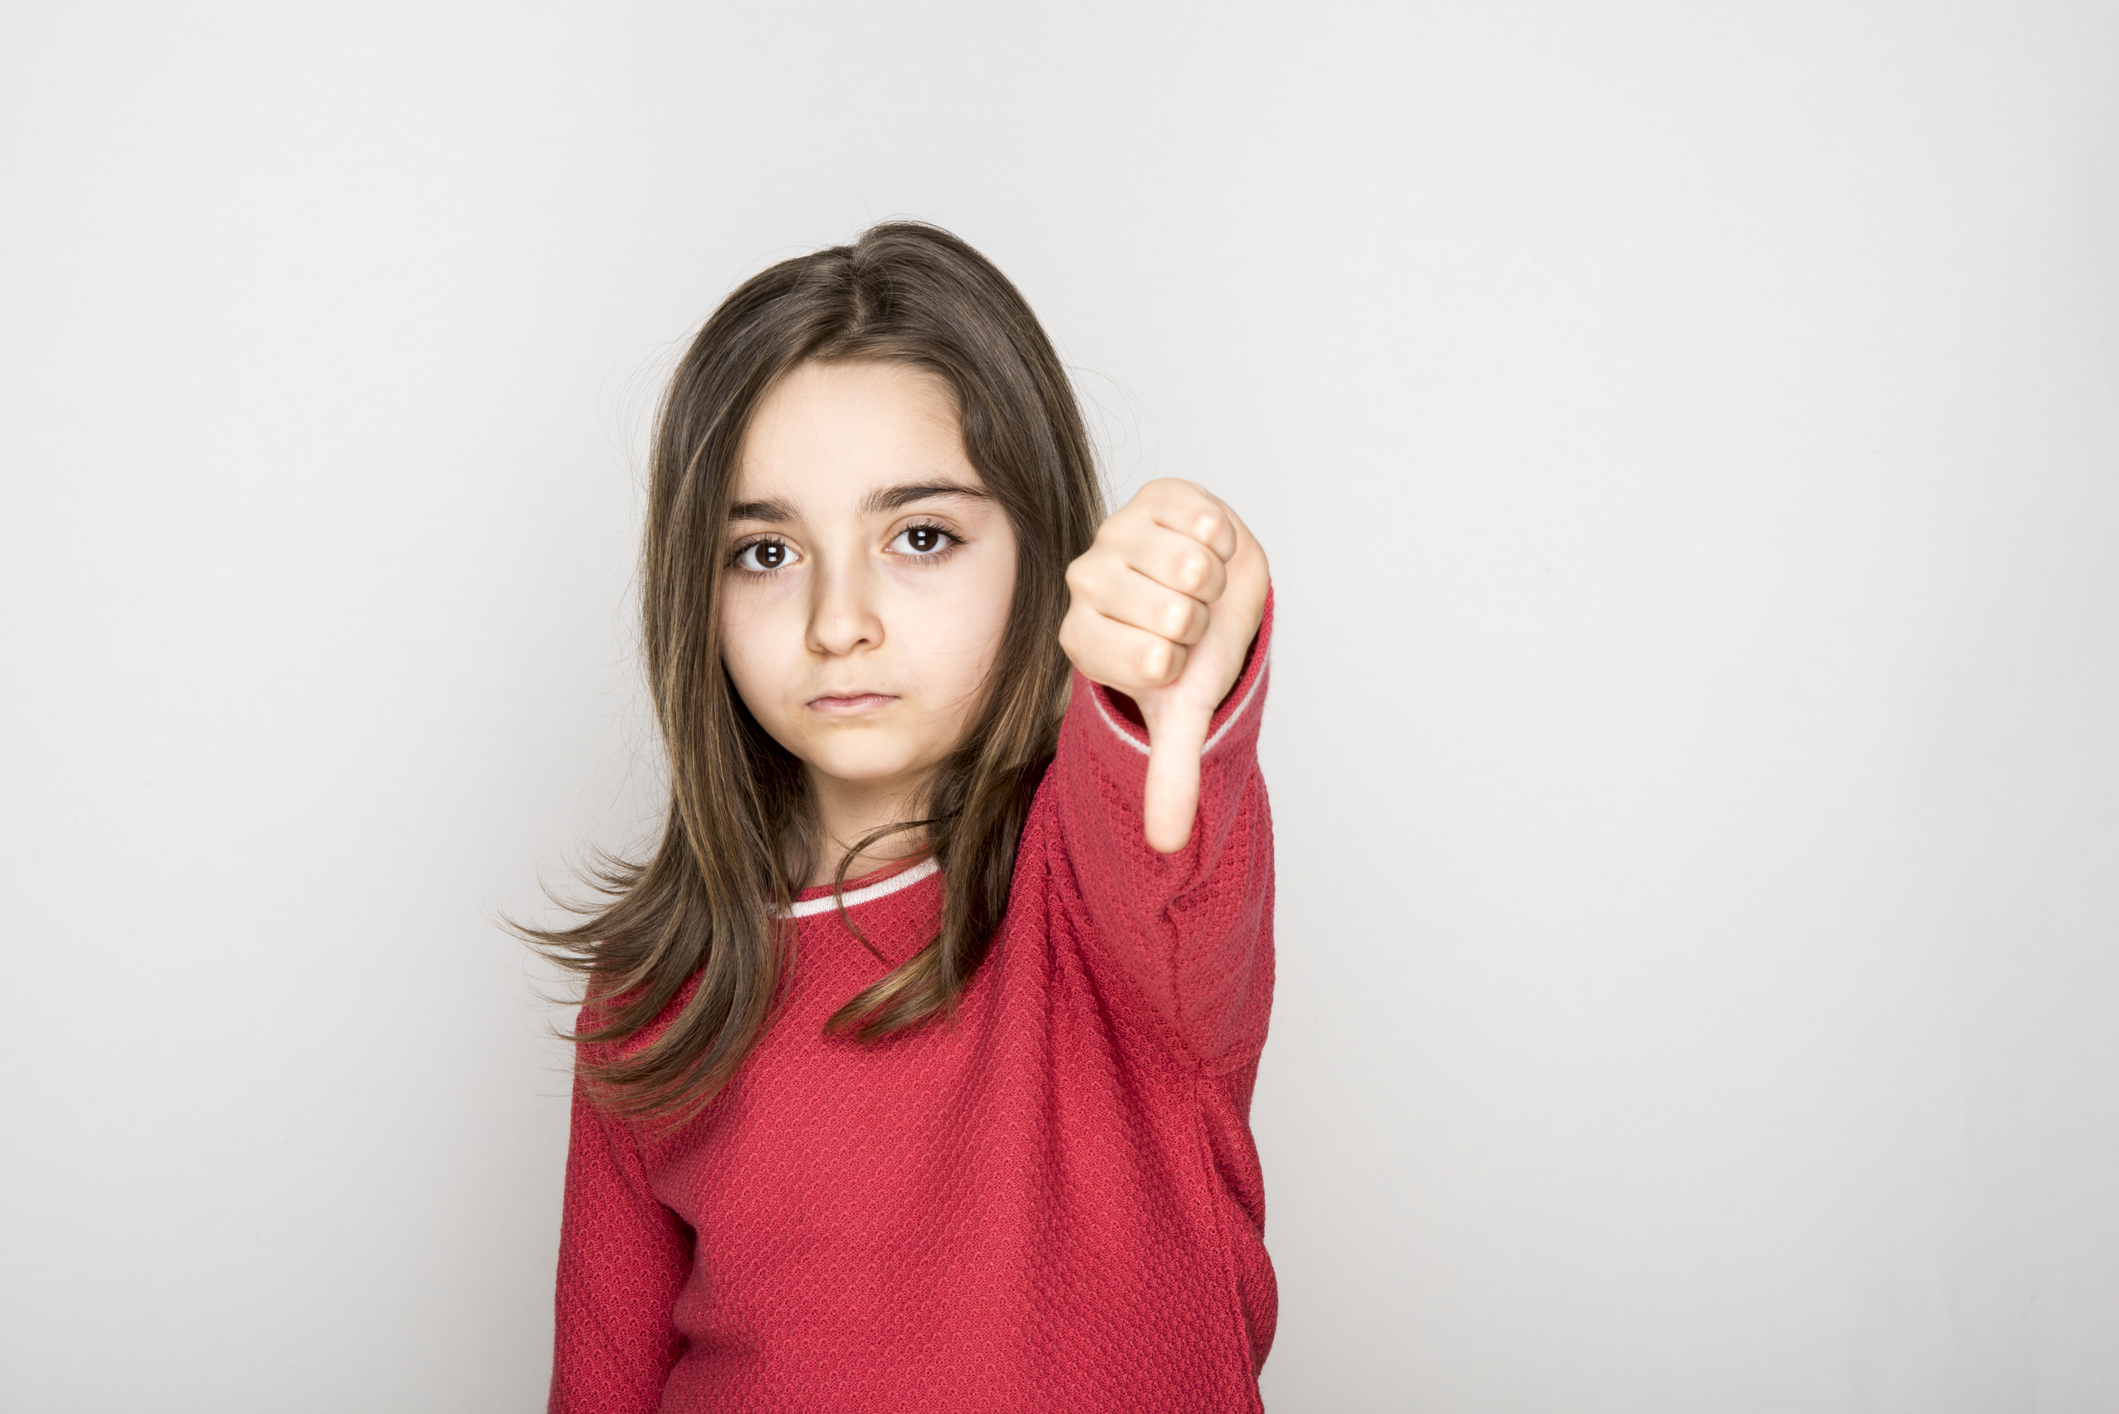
(1165, 605)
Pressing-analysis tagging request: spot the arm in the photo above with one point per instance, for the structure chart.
(623, 1258)
(1163, 815)
(1193, 929)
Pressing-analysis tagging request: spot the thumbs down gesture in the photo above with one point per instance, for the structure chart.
(1165, 605)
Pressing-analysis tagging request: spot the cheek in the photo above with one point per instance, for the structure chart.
(755, 647)
(960, 636)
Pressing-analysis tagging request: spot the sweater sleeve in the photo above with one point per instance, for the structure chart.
(623, 1258)
(1193, 931)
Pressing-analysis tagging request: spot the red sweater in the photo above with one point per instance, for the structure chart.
(1053, 1204)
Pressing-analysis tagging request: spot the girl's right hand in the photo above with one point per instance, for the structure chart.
(1165, 604)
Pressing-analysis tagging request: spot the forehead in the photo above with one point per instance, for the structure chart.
(830, 432)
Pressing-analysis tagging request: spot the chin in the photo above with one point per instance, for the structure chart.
(864, 766)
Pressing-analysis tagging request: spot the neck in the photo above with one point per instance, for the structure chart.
(849, 810)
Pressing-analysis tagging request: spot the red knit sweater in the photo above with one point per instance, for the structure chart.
(1053, 1204)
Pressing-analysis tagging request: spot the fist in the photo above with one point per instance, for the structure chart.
(1164, 608)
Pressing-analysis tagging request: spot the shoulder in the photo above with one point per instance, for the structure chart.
(599, 1008)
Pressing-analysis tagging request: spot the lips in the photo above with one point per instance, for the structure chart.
(852, 701)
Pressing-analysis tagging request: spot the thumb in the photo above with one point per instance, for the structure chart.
(1176, 736)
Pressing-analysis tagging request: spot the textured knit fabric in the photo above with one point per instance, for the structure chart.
(1053, 1204)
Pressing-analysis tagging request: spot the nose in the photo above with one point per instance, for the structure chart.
(842, 616)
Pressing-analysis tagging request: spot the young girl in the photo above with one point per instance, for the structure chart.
(916, 1063)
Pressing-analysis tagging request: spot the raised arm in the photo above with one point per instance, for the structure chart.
(1163, 814)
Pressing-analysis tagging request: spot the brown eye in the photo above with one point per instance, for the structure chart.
(763, 556)
(922, 540)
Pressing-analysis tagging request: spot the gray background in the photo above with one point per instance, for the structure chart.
(1687, 441)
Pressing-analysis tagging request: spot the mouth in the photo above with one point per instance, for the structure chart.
(851, 704)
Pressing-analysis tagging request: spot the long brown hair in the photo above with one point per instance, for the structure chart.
(741, 834)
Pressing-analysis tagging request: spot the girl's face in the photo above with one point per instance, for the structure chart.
(867, 574)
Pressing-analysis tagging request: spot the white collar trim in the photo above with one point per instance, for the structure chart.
(904, 879)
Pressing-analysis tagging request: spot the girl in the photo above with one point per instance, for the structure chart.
(915, 1065)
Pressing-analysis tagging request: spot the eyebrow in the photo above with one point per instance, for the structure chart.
(894, 498)
(889, 498)
(761, 510)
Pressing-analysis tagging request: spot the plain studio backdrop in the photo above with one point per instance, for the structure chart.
(1687, 442)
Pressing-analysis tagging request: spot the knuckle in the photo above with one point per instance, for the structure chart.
(1086, 577)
